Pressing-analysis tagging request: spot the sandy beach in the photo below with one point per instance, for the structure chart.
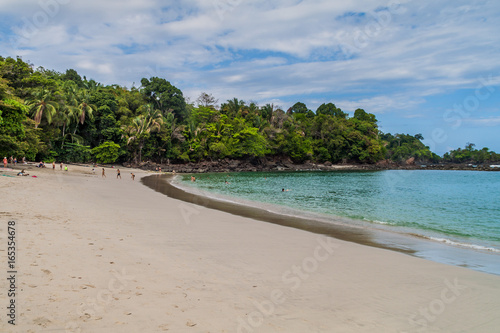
(100, 254)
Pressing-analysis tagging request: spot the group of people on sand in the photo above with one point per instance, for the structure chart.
(118, 174)
(12, 160)
(41, 164)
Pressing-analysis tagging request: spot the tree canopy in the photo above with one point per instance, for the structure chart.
(64, 116)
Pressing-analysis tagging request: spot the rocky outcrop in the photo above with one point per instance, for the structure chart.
(285, 164)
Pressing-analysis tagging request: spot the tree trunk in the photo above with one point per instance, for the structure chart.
(64, 130)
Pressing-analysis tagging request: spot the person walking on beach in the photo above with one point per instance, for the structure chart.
(132, 176)
(5, 162)
(118, 174)
(53, 165)
(103, 173)
(60, 166)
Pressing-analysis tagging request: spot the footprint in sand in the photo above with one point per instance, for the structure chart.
(42, 321)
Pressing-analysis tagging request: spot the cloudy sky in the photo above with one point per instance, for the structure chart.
(429, 67)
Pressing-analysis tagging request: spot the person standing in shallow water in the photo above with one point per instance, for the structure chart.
(118, 174)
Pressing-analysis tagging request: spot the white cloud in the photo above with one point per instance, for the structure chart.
(484, 122)
(380, 60)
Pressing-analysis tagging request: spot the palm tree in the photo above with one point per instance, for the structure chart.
(233, 107)
(43, 104)
(84, 107)
(92, 86)
(150, 121)
(267, 111)
(67, 107)
(69, 92)
(65, 116)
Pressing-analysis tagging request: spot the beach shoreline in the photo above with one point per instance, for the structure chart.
(163, 184)
(347, 229)
(112, 255)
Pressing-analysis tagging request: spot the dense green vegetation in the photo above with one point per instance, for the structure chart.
(470, 154)
(46, 115)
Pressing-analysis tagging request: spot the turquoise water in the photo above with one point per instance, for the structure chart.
(459, 208)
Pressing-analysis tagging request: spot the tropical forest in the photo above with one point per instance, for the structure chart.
(50, 116)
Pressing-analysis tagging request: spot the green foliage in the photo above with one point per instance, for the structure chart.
(400, 147)
(12, 129)
(45, 115)
(164, 96)
(249, 142)
(108, 152)
(297, 147)
(14, 113)
(32, 146)
(73, 75)
(362, 115)
(471, 154)
(299, 107)
(74, 152)
(331, 110)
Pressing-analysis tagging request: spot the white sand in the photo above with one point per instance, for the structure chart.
(108, 255)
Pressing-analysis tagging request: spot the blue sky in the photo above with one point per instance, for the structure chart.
(429, 67)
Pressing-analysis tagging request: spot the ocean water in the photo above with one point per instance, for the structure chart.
(457, 208)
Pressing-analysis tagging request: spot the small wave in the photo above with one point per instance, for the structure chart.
(471, 246)
(380, 222)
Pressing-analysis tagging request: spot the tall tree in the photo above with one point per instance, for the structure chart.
(84, 107)
(233, 107)
(332, 110)
(207, 100)
(164, 96)
(42, 104)
(299, 107)
(140, 128)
